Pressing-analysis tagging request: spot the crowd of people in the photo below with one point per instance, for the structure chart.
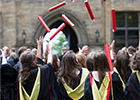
(85, 75)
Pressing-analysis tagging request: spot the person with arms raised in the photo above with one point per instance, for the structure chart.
(37, 82)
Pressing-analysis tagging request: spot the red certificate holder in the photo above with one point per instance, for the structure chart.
(57, 31)
(67, 20)
(113, 20)
(89, 10)
(106, 46)
(43, 23)
(57, 6)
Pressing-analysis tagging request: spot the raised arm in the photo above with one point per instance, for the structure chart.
(39, 43)
(49, 49)
(111, 49)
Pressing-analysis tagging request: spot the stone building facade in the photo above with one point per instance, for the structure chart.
(19, 15)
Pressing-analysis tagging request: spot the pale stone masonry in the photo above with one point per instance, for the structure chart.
(19, 15)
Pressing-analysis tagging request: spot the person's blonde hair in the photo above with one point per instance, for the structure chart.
(81, 59)
(12, 55)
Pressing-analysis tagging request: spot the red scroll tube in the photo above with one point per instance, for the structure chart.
(106, 46)
(68, 21)
(57, 31)
(58, 5)
(89, 10)
(43, 23)
(113, 20)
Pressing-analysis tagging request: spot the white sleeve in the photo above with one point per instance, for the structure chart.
(111, 54)
(4, 61)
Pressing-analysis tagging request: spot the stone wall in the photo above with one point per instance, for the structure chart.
(19, 15)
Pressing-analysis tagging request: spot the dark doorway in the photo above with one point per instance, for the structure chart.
(69, 33)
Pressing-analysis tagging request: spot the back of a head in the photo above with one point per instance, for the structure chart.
(34, 49)
(89, 61)
(69, 68)
(64, 49)
(81, 59)
(101, 65)
(69, 59)
(100, 62)
(13, 55)
(122, 64)
(13, 49)
(131, 49)
(135, 61)
(27, 59)
(124, 48)
(122, 59)
(21, 50)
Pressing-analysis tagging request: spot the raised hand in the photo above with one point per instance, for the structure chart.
(80, 50)
(112, 45)
(4, 52)
(40, 41)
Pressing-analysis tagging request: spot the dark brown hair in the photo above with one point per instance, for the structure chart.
(13, 49)
(21, 50)
(54, 64)
(101, 65)
(26, 60)
(122, 64)
(68, 69)
(89, 61)
(135, 61)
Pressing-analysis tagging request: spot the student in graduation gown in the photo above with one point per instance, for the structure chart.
(102, 84)
(37, 83)
(121, 66)
(132, 91)
(71, 78)
(8, 82)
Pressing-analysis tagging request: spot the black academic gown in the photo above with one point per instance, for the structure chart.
(63, 92)
(48, 80)
(118, 92)
(8, 82)
(132, 90)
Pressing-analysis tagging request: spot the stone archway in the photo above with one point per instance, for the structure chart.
(78, 35)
